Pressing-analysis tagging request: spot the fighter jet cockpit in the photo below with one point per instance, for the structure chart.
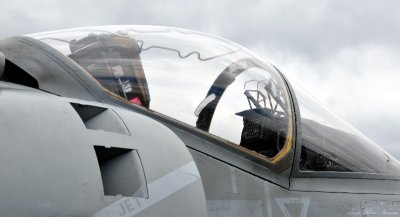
(202, 81)
(224, 90)
(161, 121)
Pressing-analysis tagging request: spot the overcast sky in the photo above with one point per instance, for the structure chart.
(345, 53)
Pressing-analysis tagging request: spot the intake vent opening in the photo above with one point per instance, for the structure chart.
(97, 118)
(14, 74)
(121, 172)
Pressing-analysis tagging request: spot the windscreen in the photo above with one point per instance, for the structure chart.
(330, 144)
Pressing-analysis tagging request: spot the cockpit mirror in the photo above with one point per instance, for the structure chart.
(2, 63)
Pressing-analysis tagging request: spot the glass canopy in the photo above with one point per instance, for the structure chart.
(218, 87)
